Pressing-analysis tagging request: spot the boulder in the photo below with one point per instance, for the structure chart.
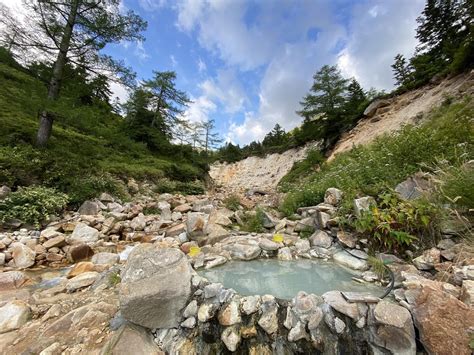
(443, 321)
(250, 304)
(131, 339)
(83, 234)
(344, 258)
(231, 338)
(196, 224)
(320, 239)
(183, 208)
(55, 242)
(414, 187)
(284, 254)
(243, 251)
(13, 315)
(80, 252)
(82, 280)
(10, 280)
(394, 330)
(105, 258)
(155, 286)
(467, 292)
(346, 239)
(138, 223)
(302, 246)
(80, 268)
(374, 106)
(4, 192)
(337, 301)
(362, 205)
(428, 259)
(89, 208)
(269, 245)
(214, 233)
(230, 313)
(333, 196)
(23, 256)
(269, 314)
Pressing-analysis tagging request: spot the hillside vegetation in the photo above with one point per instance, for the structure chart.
(88, 151)
(440, 146)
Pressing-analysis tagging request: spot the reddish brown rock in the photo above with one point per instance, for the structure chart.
(80, 252)
(443, 322)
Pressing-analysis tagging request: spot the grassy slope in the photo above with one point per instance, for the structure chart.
(85, 150)
(448, 136)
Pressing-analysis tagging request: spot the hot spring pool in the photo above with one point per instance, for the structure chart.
(283, 279)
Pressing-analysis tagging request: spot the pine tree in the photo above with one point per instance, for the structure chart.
(167, 102)
(74, 32)
(355, 102)
(326, 94)
(401, 70)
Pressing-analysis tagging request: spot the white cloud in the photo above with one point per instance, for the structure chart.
(202, 67)
(200, 109)
(151, 5)
(140, 51)
(379, 30)
(119, 91)
(226, 89)
(174, 62)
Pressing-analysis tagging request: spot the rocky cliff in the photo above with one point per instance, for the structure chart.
(258, 173)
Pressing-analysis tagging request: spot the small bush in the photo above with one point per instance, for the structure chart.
(456, 184)
(186, 188)
(393, 224)
(307, 232)
(302, 168)
(232, 202)
(254, 222)
(32, 204)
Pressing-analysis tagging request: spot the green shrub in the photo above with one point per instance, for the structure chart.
(232, 202)
(307, 232)
(390, 159)
(455, 184)
(254, 222)
(190, 188)
(81, 188)
(394, 224)
(32, 204)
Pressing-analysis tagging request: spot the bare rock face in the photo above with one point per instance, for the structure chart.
(155, 287)
(443, 321)
(13, 315)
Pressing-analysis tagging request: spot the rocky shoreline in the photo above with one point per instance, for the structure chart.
(119, 278)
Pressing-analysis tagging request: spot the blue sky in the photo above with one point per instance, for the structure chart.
(247, 64)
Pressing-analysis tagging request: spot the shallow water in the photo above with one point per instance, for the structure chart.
(284, 279)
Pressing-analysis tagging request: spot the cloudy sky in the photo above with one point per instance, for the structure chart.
(247, 64)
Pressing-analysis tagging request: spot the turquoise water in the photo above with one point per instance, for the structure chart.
(283, 279)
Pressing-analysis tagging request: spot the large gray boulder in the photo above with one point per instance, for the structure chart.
(23, 256)
(155, 287)
(83, 234)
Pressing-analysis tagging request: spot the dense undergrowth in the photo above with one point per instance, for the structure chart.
(447, 137)
(88, 152)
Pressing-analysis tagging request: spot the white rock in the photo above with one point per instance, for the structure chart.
(13, 315)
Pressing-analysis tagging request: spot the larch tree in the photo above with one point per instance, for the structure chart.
(167, 102)
(73, 32)
(211, 139)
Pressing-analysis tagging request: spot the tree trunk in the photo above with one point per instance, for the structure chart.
(46, 118)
